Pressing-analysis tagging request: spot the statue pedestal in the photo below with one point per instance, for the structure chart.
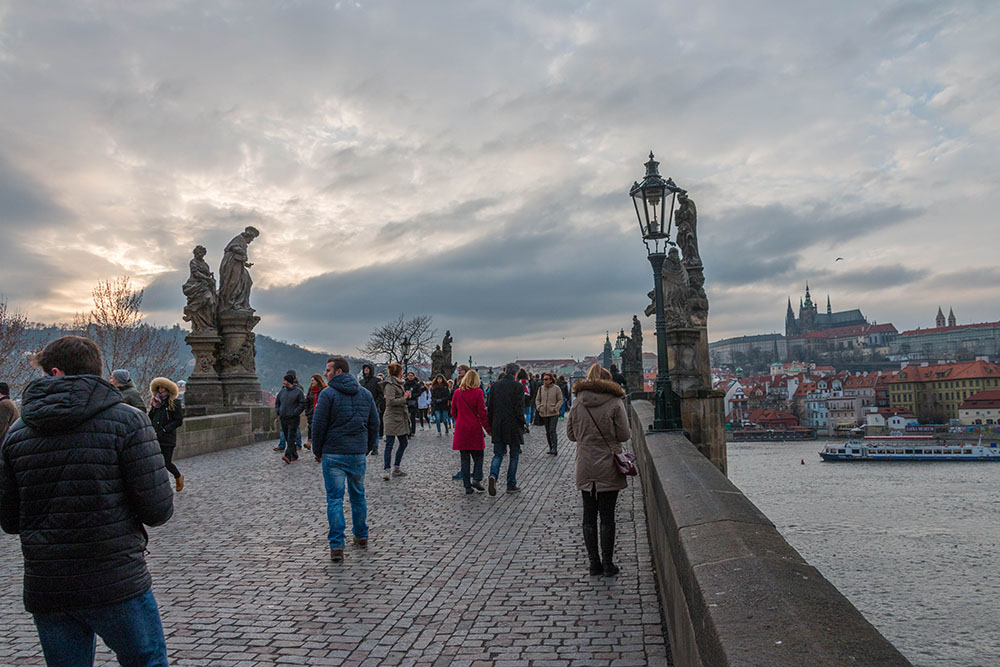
(238, 369)
(702, 408)
(203, 386)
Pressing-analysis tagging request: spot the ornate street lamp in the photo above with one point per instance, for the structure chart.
(405, 345)
(654, 199)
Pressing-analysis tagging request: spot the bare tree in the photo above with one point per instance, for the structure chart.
(15, 367)
(385, 342)
(115, 323)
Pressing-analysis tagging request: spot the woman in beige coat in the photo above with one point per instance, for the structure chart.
(598, 423)
(548, 400)
(396, 420)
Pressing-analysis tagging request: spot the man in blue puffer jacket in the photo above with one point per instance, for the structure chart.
(345, 429)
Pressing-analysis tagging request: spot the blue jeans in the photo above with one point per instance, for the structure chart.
(441, 417)
(132, 629)
(499, 450)
(298, 438)
(527, 414)
(387, 454)
(340, 470)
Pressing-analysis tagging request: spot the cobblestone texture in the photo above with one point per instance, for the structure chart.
(243, 577)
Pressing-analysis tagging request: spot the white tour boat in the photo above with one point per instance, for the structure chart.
(910, 448)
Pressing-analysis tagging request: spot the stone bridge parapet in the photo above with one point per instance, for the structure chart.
(734, 592)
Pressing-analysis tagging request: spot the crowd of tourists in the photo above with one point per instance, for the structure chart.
(84, 466)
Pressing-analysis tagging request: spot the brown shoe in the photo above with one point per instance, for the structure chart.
(337, 555)
(361, 542)
(180, 482)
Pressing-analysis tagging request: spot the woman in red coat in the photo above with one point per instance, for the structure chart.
(468, 407)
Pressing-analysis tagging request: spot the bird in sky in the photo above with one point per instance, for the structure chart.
(838, 259)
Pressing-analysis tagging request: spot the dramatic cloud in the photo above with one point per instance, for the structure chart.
(472, 160)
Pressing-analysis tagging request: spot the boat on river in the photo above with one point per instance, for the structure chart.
(910, 448)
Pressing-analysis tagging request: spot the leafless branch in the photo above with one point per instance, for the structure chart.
(385, 342)
(15, 368)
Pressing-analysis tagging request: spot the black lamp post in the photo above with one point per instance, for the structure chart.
(405, 345)
(654, 199)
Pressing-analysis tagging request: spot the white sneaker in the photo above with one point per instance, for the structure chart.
(386, 474)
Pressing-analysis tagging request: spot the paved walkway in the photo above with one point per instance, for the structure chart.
(243, 576)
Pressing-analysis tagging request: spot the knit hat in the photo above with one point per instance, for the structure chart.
(121, 376)
(290, 379)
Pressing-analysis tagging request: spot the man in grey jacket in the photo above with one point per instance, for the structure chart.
(122, 380)
(290, 404)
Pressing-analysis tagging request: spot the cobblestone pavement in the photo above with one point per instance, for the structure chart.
(243, 576)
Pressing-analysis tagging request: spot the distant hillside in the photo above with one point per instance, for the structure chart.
(273, 357)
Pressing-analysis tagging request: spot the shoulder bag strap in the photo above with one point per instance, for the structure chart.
(603, 437)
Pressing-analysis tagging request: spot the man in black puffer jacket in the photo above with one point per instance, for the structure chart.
(80, 473)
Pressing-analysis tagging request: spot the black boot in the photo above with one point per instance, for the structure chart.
(590, 539)
(608, 549)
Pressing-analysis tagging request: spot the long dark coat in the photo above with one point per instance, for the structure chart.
(505, 406)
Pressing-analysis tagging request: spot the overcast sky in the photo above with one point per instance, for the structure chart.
(471, 160)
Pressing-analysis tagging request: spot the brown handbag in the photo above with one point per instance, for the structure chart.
(624, 461)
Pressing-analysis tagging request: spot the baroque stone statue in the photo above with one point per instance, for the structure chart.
(447, 365)
(201, 296)
(234, 277)
(676, 292)
(437, 361)
(687, 230)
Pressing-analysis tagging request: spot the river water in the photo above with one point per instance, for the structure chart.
(914, 546)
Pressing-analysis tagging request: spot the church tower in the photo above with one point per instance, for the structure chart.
(807, 313)
(829, 310)
(606, 357)
(951, 317)
(791, 328)
(939, 320)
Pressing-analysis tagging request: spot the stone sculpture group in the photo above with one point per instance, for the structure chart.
(222, 323)
(685, 301)
(441, 358)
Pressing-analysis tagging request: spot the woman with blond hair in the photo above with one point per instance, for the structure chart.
(597, 423)
(468, 407)
(397, 420)
(167, 415)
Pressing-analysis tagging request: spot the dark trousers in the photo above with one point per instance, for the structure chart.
(470, 458)
(413, 419)
(289, 425)
(599, 503)
(550, 431)
(168, 455)
(387, 454)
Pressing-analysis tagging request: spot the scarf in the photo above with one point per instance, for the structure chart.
(160, 399)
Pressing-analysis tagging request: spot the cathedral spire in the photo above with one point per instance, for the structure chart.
(951, 317)
(939, 320)
(809, 301)
(829, 310)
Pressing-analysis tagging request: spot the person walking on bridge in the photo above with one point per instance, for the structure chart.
(8, 411)
(548, 400)
(345, 430)
(397, 421)
(469, 410)
(505, 408)
(290, 403)
(598, 423)
(167, 415)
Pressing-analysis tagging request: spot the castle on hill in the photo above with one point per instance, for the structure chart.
(811, 320)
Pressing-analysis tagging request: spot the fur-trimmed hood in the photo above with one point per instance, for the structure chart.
(599, 387)
(597, 392)
(172, 390)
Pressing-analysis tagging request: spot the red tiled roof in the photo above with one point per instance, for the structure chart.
(989, 399)
(955, 328)
(961, 370)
